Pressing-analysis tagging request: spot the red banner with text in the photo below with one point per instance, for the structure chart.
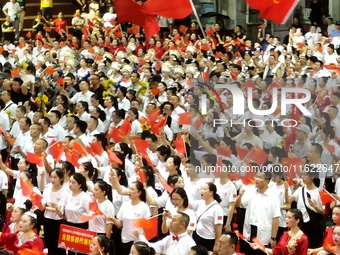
(75, 239)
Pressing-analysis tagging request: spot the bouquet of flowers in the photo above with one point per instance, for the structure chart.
(41, 99)
(107, 93)
(108, 83)
(144, 87)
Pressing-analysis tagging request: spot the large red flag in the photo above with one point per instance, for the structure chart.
(113, 157)
(35, 158)
(57, 150)
(115, 134)
(325, 197)
(93, 206)
(36, 200)
(125, 128)
(258, 155)
(130, 11)
(277, 11)
(26, 188)
(166, 8)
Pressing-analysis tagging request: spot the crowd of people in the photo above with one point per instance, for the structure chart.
(101, 114)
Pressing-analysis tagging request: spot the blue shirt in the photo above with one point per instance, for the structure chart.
(335, 33)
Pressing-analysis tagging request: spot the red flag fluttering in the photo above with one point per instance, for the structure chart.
(150, 226)
(138, 15)
(113, 157)
(56, 150)
(26, 188)
(35, 159)
(166, 8)
(277, 11)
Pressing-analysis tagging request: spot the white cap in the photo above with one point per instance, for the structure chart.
(179, 70)
(126, 68)
(191, 49)
(115, 65)
(191, 69)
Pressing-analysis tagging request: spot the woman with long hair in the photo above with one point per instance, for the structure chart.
(103, 195)
(322, 121)
(101, 245)
(25, 238)
(90, 173)
(209, 229)
(68, 170)
(82, 110)
(180, 200)
(141, 248)
(53, 196)
(14, 224)
(294, 241)
(131, 210)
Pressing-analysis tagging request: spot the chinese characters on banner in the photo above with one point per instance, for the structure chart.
(75, 239)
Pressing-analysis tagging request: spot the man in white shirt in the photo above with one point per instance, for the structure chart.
(311, 36)
(9, 104)
(92, 125)
(227, 243)
(262, 211)
(84, 94)
(179, 242)
(330, 26)
(60, 132)
(12, 9)
(79, 131)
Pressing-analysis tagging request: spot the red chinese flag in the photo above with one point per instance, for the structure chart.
(26, 188)
(155, 91)
(15, 73)
(277, 11)
(166, 186)
(72, 158)
(330, 148)
(218, 55)
(184, 118)
(158, 67)
(56, 150)
(241, 236)
(10, 140)
(160, 124)
(258, 242)
(33, 251)
(248, 84)
(133, 30)
(174, 9)
(143, 120)
(78, 148)
(60, 81)
(125, 128)
(293, 165)
(150, 226)
(93, 207)
(198, 123)
(327, 244)
(138, 15)
(91, 50)
(248, 181)
(325, 197)
(36, 200)
(113, 22)
(258, 155)
(85, 218)
(182, 29)
(223, 151)
(141, 145)
(115, 134)
(50, 70)
(290, 181)
(69, 37)
(142, 176)
(242, 153)
(97, 148)
(28, 35)
(113, 157)
(85, 33)
(290, 139)
(35, 159)
(154, 115)
(180, 146)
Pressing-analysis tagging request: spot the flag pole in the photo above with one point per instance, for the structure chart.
(198, 19)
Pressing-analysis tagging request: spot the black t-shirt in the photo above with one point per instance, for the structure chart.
(19, 98)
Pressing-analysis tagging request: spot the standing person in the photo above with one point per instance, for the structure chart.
(53, 196)
(209, 217)
(60, 27)
(46, 7)
(316, 13)
(309, 203)
(102, 245)
(12, 9)
(262, 211)
(294, 241)
(131, 210)
(22, 4)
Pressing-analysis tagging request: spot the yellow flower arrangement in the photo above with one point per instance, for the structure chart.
(24, 65)
(282, 143)
(41, 98)
(106, 94)
(109, 83)
(145, 127)
(144, 87)
(70, 114)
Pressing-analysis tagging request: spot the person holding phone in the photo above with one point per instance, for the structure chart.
(309, 203)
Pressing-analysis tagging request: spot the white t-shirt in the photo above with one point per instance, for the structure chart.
(118, 200)
(227, 193)
(99, 224)
(281, 193)
(76, 206)
(21, 199)
(190, 213)
(208, 216)
(299, 201)
(127, 214)
(53, 197)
